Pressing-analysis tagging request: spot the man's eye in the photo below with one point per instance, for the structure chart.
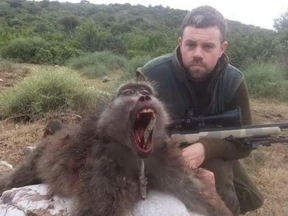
(128, 92)
(190, 45)
(208, 47)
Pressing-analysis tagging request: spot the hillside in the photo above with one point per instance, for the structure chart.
(51, 32)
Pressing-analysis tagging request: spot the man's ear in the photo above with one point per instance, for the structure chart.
(223, 47)
(140, 76)
(180, 41)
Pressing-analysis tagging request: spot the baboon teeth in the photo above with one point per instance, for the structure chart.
(146, 111)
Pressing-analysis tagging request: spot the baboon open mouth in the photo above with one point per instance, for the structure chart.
(143, 129)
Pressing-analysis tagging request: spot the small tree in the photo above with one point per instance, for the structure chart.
(87, 36)
(69, 23)
(281, 23)
(281, 42)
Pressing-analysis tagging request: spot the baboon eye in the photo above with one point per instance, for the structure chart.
(145, 92)
(128, 92)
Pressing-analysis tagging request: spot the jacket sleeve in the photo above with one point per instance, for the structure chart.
(226, 149)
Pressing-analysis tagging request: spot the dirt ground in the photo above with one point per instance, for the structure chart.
(267, 166)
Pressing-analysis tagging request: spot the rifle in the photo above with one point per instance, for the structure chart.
(191, 128)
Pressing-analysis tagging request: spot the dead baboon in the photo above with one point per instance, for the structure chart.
(107, 162)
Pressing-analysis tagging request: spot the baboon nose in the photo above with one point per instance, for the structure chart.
(144, 98)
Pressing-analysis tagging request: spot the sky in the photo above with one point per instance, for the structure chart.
(255, 12)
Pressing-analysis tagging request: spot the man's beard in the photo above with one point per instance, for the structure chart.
(198, 74)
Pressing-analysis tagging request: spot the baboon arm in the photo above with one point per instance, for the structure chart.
(187, 186)
(24, 174)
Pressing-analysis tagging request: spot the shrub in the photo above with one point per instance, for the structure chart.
(267, 80)
(98, 63)
(46, 91)
(38, 51)
(134, 63)
(23, 50)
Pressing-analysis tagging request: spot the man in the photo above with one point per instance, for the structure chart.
(197, 75)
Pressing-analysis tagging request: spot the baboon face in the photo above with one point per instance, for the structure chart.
(140, 116)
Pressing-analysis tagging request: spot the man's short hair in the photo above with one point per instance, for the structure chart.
(203, 17)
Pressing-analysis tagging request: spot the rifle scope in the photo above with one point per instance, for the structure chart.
(225, 119)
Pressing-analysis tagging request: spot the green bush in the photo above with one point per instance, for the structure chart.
(43, 55)
(23, 50)
(267, 80)
(98, 63)
(38, 51)
(133, 64)
(46, 91)
(15, 22)
(62, 52)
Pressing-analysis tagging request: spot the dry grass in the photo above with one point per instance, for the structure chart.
(268, 167)
(99, 84)
(11, 73)
(14, 137)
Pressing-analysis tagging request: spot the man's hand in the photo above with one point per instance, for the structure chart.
(194, 154)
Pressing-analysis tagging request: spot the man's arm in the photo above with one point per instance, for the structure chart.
(228, 150)
(241, 98)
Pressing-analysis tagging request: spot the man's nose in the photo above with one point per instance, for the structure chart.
(198, 53)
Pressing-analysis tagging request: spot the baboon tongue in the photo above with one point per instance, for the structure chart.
(143, 128)
(142, 138)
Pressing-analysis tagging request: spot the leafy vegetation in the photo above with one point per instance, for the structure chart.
(49, 32)
(115, 39)
(98, 63)
(268, 80)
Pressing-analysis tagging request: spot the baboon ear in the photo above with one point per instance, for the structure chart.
(140, 76)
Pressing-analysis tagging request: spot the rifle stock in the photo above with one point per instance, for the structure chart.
(193, 137)
(191, 128)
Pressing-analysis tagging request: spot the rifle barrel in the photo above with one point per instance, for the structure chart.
(193, 130)
(280, 125)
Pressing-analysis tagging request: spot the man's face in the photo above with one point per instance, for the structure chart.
(201, 48)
